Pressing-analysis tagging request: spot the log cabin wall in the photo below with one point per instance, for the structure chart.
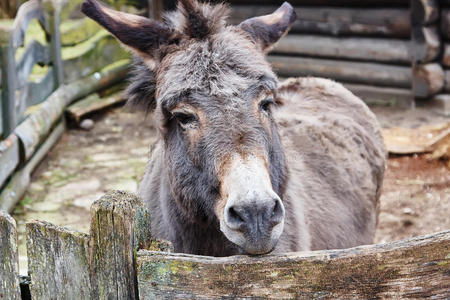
(365, 44)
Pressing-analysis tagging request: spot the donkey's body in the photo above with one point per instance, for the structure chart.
(242, 165)
(335, 158)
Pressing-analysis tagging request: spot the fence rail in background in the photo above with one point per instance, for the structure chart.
(118, 261)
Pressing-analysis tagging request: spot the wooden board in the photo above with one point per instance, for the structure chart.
(415, 268)
(353, 48)
(428, 79)
(346, 71)
(390, 22)
(9, 157)
(58, 262)
(91, 104)
(9, 259)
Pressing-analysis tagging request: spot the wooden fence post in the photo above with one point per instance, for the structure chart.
(53, 9)
(9, 258)
(58, 262)
(113, 256)
(8, 83)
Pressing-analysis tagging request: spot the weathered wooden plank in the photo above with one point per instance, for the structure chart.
(36, 92)
(425, 44)
(112, 259)
(91, 104)
(102, 50)
(33, 130)
(52, 12)
(35, 53)
(355, 48)
(9, 259)
(9, 117)
(391, 22)
(346, 71)
(9, 157)
(424, 12)
(58, 262)
(17, 186)
(428, 79)
(414, 268)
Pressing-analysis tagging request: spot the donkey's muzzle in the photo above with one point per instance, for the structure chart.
(254, 224)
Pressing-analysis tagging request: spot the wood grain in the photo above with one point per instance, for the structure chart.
(415, 268)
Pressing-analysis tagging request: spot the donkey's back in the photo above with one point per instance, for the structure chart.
(336, 160)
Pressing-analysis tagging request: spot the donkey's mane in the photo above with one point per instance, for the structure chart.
(197, 20)
(191, 20)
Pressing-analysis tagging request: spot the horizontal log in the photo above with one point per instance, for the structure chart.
(424, 12)
(425, 44)
(365, 49)
(346, 71)
(77, 31)
(390, 22)
(18, 184)
(382, 96)
(414, 268)
(91, 104)
(428, 79)
(34, 129)
(9, 258)
(58, 261)
(9, 157)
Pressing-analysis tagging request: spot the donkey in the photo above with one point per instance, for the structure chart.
(244, 165)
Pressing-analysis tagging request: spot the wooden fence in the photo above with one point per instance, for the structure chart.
(119, 260)
(69, 53)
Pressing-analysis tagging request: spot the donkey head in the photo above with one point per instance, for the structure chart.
(212, 92)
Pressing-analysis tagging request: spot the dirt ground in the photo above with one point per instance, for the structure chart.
(85, 164)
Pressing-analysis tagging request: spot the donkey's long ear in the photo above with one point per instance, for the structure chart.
(138, 33)
(267, 30)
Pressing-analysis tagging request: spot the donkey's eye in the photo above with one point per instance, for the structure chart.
(185, 119)
(265, 104)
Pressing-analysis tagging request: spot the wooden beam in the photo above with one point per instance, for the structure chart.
(91, 104)
(8, 65)
(9, 157)
(425, 44)
(353, 48)
(424, 12)
(9, 258)
(414, 268)
(346, 71)
(58, 262)
(389, 22)
(33, 54)
(428, 79)
(112, 260)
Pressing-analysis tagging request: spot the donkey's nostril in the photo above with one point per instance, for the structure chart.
(234, 218)
(277, 214)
